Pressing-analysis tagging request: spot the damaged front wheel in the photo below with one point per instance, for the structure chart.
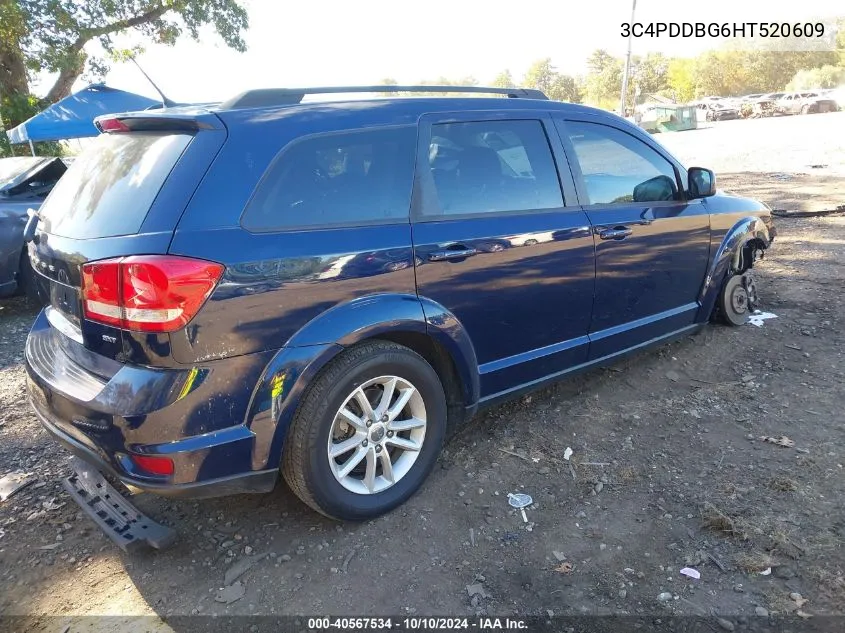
(737, 300)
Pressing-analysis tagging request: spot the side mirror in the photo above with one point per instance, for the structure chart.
(701, 182)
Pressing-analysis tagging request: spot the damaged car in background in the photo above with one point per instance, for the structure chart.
(24, 184)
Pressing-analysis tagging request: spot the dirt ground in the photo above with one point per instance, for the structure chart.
(668, 470)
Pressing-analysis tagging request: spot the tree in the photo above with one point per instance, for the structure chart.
(599, 60)
(680, 77)
(823, 77)
(603, 84)
(541, 75)
(504, 80)
(565, 88)
(388, 81)
(652, 74)
(51, 35)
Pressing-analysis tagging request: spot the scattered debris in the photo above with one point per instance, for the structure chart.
(560, 556)
(346, 560)
(477, 589)
(717, 562)
(664, 596)
(51, 504)
(230, 594)
(783, 440)
(564, 568)
(520, 501)
(51, 546)
(754, 562)
(240, 567)
(798, 599)
(757, 317)
(692, 573)
(13, 482)
(472, 537)
(715, 519)
(766, 572)
(567, 453)
(598, 487)
(504, 450)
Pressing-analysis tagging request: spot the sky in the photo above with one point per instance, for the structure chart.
(341, 42)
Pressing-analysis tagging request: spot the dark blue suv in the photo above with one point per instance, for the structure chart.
(325, 289)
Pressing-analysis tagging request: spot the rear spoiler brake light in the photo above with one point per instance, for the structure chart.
(148, 124)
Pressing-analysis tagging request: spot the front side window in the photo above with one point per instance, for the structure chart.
(337, 179)
(493, 166)
(619, 168)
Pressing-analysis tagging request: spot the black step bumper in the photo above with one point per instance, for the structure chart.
(124, 524)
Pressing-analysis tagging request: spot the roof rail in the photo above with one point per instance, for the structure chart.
(264, 97)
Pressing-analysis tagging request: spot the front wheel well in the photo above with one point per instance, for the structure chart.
(746, 255)
(439, 358)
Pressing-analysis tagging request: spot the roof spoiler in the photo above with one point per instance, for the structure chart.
(265, 97)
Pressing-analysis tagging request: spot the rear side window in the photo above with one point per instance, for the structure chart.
(617, 167)
(493, 166)
(108, 190)
(358, 177)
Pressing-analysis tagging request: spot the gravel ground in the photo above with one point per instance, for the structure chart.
(668, 470)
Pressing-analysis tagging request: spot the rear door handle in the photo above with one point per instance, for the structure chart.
(616, 233)
(451, 253)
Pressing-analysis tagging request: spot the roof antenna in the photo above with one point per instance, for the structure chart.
(165, 102)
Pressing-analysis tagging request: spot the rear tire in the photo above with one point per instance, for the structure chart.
(332, 417)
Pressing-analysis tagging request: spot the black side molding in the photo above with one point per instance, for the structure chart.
(124, 524)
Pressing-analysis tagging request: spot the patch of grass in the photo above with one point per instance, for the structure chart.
(753, 562)
(783, 484)
(628, 474)
(716, 520)
(833, 585)
(784, 544)
(778, 601)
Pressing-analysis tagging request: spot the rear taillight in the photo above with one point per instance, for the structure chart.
(147, 293)
(153, 464)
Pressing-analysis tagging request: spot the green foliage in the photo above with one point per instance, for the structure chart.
(504, 80)
(51, 35)
(680, 79)
(823, 77)
(543, 76)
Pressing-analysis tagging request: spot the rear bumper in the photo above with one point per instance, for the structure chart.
(106, 412)
(251, 482)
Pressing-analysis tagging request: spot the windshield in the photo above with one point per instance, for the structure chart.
(109, 189)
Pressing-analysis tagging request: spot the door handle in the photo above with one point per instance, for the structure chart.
(616, 233)
(457, 252)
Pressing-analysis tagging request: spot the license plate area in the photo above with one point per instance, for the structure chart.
(65, 299)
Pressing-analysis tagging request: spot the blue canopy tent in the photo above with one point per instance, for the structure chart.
(73, 116)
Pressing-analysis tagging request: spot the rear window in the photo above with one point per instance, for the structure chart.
(109, 189)
(357, 177)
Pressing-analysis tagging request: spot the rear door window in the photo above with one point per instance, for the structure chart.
(349, 178)
(493, 166)
(109, 189)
